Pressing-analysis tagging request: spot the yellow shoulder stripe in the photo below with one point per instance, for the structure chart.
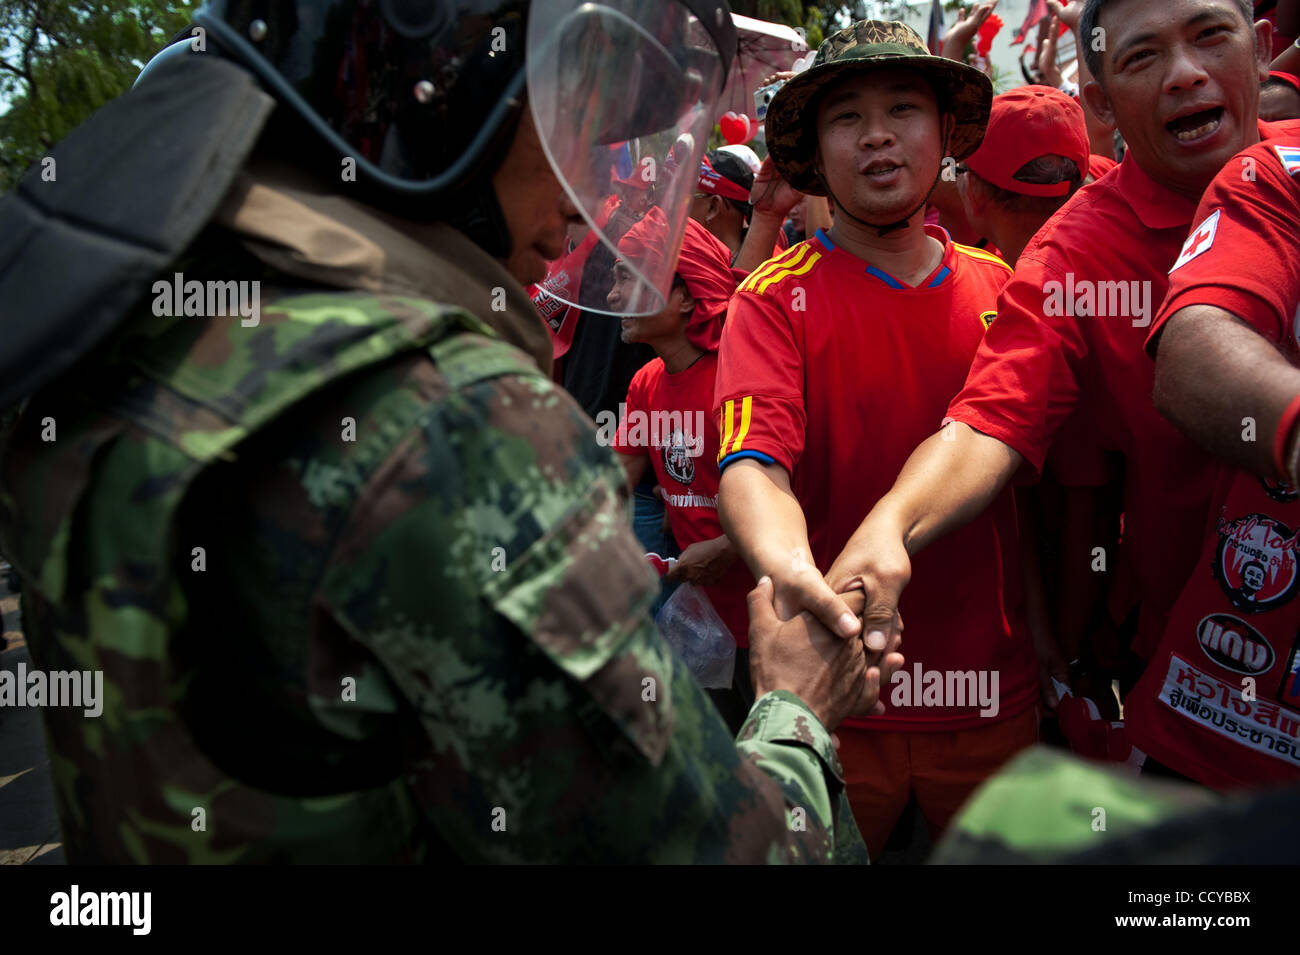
(727, 445)
(772, 265)
(726, 426)
(803, 269)
(981, 254)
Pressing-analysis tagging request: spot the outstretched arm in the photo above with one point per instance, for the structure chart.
(948, 480)
(1215, 374)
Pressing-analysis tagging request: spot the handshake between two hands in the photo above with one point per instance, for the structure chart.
(836, 675)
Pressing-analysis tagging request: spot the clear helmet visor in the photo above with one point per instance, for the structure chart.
(623, 96)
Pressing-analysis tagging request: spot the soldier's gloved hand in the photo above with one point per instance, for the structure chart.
(827, 672)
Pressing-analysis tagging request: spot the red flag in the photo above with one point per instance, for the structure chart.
(1037, 10)
(988, 30)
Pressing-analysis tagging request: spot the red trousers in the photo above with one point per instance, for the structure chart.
(882, 769)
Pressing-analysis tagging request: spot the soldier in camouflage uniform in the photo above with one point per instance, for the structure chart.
(358, 576)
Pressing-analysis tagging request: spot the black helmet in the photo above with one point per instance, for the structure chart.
(425, 95)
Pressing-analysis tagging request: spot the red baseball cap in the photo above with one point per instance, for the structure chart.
(1024, 124)
(1098, 166)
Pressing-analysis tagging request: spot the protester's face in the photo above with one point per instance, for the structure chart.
(712, 212)
(636, 200)
(699, 208)
(647, 328)
(1279, 101)
(627, 294)
(1181, 81)
(880, 143)
(537, 210)
(799, 216)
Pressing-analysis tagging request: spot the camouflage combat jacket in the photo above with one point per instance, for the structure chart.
(362, 585)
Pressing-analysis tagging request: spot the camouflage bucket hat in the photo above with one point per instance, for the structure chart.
(870, 44)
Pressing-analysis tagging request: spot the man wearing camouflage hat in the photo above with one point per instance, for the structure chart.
(839, 355)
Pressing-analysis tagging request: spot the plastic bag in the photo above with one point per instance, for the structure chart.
(693, 628)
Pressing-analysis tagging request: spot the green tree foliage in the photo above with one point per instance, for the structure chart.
(60, 60)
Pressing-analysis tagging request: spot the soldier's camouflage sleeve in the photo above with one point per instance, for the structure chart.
(490, 568)
(1049, 806)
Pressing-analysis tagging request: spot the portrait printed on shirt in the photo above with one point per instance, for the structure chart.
(679, 456)
(1256, 564)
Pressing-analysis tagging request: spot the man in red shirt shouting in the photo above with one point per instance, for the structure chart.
(837, 358)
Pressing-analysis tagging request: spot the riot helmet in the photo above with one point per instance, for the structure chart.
(425, 95)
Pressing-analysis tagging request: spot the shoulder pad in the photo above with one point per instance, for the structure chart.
(121, 197)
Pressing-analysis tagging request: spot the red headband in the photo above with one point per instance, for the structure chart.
(704, 264)
(715, 183)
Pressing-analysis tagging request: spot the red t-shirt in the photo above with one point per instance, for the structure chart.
(836, 371)
(1108, 250)
(669, 417)
(1237, 616)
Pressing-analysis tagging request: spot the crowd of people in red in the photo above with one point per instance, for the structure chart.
(1023, 369)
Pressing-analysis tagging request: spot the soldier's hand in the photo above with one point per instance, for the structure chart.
(827, 672)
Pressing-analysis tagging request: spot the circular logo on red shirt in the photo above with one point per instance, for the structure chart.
(678, 461)
(1256, 563)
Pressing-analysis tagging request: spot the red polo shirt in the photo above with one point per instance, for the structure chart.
(1235, 623)
(1070, 333)
(1250, 214)
(670, 418)
(836, 371)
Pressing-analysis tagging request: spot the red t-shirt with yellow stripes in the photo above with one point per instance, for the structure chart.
(836, 371)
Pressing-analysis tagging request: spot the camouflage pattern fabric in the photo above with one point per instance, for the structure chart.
(1049, 806)
(363, 588)
(791, 131)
